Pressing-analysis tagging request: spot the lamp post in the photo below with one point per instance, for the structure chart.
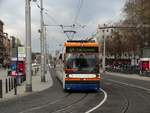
(45, 51)
(42, 44)
(104, 52)
(28, 46)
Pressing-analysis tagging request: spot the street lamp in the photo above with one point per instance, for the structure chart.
(43, 79)
(104, 51)
(28, 45)
(45, 51)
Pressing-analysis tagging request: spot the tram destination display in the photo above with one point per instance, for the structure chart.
(82, 49)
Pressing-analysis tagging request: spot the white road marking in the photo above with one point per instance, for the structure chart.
(100, 104)
(131, 85)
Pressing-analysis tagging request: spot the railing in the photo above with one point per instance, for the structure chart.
(6, 85)
(9, 83)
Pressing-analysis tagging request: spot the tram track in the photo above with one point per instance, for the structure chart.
(122, 98)
(65, 108)
(45, 104)
(70, 102)
(134, 97)
(126, 105)
(126, 102)
(57, 102)
(52, 107)
(132, 105)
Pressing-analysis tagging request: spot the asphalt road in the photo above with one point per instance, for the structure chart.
(124, 96)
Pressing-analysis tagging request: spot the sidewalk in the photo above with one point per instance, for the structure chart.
(37, 86)
(132, 76)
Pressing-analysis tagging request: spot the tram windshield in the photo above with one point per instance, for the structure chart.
(82, 63)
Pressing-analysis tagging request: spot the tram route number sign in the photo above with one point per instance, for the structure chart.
(82, 49)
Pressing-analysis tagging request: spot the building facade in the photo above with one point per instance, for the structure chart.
(5, 46)
(1, 42)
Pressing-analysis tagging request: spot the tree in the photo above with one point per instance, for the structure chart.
(131, 41)
(137, 14)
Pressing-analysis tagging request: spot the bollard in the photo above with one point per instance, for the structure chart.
(6, 86)
(15, 86)
(21, 78)
(13, 82)
(1, 89)
(9, 84)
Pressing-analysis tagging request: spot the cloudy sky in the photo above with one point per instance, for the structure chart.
(57, 12)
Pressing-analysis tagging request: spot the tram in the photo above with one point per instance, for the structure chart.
(81, 66)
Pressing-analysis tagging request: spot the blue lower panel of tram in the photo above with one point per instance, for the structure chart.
(82, 87)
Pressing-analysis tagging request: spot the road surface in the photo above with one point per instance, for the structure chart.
(123, 96)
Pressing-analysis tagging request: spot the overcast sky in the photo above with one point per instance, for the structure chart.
(92, 13)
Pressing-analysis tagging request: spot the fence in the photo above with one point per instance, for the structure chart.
(9, 83)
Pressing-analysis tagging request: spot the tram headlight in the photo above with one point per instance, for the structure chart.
(70, 76)
(94, 76)
(97, 75)
(67, 75)
(91, 76)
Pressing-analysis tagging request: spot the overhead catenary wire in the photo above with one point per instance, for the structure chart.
(52, 18)
(46, 12)
(68, 33)
(54, 21)
(78, 11)
(75, 23)
(80, 5)
(59, 25)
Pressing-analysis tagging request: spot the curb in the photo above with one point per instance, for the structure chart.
(131, 76)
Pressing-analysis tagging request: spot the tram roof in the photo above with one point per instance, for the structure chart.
(79, 43)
